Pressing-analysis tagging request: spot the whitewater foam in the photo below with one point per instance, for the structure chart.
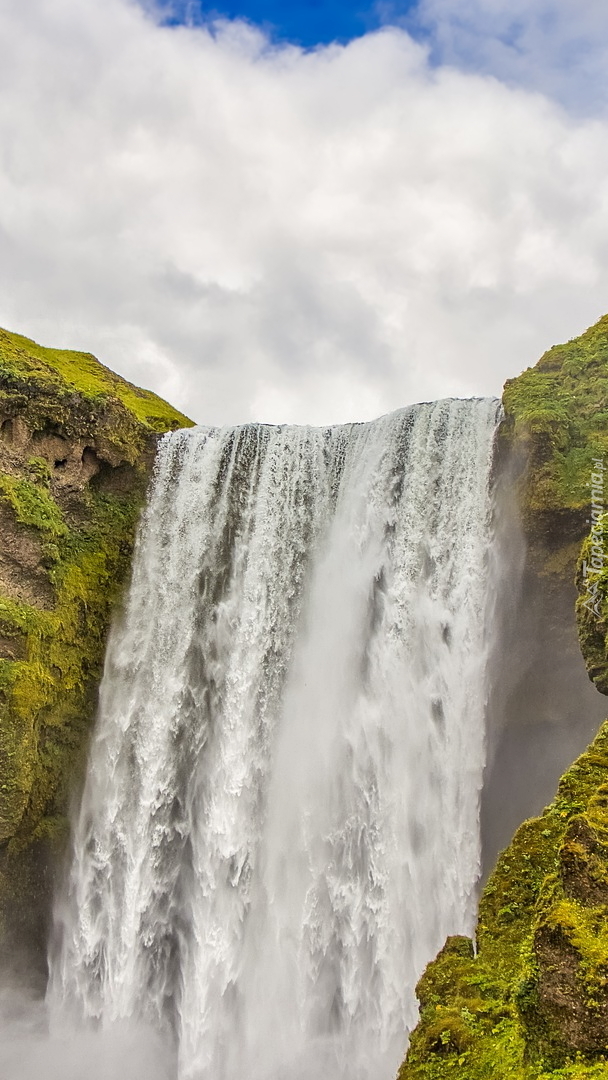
(280, 823)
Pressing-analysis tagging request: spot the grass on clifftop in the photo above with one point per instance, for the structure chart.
(559, 411)
(63, 370)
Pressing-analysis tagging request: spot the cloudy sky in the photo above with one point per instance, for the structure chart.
(309, 212)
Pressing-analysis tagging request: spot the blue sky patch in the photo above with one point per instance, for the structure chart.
(306, 23)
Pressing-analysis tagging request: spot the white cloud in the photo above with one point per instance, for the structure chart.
(268, 234)
(559, 47)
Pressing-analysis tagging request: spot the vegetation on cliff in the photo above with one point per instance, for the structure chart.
(556, 413)
(555, 428)
(76, 446)
(530, 1001)
(533, 1002)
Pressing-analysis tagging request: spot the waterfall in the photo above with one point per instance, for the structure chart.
(280, 821)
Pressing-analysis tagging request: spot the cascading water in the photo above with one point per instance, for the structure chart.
(280, 821)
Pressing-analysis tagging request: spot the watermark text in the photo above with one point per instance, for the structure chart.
(596, 553)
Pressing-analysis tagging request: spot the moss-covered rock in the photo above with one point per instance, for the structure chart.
(76, 446)
(556, 415)
(532, 1003)
(555, 429)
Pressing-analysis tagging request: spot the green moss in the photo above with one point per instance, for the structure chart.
(538, 893)
(586, 928)
(490, 1001)
(72, 395)
(63, 370)
(50, 696)
(557, 412)
(40, 471)
(32, 505)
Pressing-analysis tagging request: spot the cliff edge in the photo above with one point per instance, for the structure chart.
(77, 444)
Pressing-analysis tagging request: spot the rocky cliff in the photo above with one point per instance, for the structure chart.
(529, 999)
(76, 447)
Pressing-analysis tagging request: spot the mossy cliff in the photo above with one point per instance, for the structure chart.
(533, 1003)
(556, 428)
(530, 1000)
(76, 447)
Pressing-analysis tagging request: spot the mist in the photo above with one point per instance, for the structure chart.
(32, 1046)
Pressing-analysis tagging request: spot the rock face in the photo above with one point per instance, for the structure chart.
(532, 1001)
(76, 446)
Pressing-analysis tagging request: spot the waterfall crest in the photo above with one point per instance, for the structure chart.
(280, 822)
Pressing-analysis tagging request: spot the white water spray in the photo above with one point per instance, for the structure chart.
(280, 823)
